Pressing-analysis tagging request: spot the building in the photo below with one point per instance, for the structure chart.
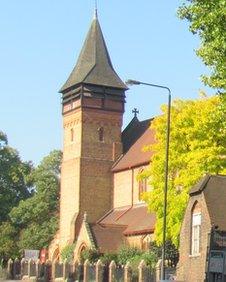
(100, 203)
(203, 231)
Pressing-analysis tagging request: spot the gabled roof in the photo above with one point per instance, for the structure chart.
(140, 135)
(110, 231)
(133, 131)
(199, 186)
(214, 189)
(108, 239)
(94, 64)
(135, 219)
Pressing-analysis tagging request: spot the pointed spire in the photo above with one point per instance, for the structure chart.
(94, 64)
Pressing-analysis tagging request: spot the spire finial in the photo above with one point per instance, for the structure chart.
(135, 112)
(95, 11)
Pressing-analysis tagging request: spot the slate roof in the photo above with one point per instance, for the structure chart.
(139, 134)
(214, 189)
(133, 131)
(200, 185)
(94, 64)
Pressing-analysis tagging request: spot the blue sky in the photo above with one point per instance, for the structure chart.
(39, 45)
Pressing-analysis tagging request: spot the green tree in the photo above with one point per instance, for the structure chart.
(207, 19)
(197, 147)
(37, 217)
(14, 181)
(8, 242)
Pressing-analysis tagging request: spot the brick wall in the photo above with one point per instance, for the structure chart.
(192, 267)
(70, 176)
(126, 187)
(86, 177)
(97, 158)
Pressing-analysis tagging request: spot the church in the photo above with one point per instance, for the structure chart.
(100, 196)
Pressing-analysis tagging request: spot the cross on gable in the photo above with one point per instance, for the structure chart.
(135, 112)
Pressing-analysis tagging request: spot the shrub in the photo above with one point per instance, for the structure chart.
(68, 252)
(150, 258)
(126, 254)
(91, 254)
(108, 257)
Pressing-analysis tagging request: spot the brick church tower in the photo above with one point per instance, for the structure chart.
(93, 100)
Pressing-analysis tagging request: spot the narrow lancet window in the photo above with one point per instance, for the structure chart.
(195, 229)
(72, 134)
(142, 185)
(101, 134)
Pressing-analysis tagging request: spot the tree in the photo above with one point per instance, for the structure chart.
(37, 217)
(15, 184)
(207, 19)
(197, 147)
(8, 242)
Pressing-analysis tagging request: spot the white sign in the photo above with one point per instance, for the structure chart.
(31, 254)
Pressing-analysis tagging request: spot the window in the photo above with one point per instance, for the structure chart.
(142, 185)
(195, 232)
(72, 134)
(146, 242)
(101, 134)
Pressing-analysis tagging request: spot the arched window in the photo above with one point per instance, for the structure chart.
(72, 134)
(82, 248)
(145, 242)
(101, 134)
(142, 185)
(195, 229)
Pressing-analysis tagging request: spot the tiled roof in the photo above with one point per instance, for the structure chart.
(135, 156)
(214, 190)
(109, 233)
(107, 239)
(94, 64)
(135, 220)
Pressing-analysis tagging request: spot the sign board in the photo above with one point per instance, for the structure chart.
(224, 263)
(31, 254)
(220, 239)
(216, 263)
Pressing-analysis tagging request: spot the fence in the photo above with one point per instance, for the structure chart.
(65, 271)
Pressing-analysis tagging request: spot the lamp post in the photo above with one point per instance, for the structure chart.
(136, 82)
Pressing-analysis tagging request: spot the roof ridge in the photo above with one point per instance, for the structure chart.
(90, 234)
(105, 215)
(146, 120)
(200, 186)
(134, 119)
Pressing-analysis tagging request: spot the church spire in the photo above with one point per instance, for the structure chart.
(94, 64)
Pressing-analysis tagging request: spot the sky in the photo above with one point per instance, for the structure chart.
(40, 43)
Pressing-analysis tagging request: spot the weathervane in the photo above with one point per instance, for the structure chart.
(135, 112)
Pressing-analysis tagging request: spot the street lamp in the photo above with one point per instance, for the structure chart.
(136, 82)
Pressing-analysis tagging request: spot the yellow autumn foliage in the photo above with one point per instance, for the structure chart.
(197, 147)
